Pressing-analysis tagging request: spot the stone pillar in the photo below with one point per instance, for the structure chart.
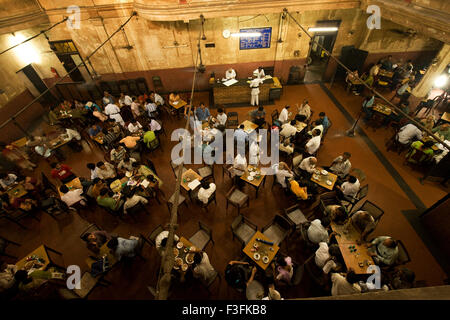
(424, 86)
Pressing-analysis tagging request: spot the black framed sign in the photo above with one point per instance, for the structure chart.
(260, 42)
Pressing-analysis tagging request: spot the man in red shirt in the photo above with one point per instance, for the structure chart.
(62, 172)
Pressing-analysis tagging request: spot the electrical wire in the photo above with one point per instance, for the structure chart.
(62, 79)
(35, 36)
(397, 109)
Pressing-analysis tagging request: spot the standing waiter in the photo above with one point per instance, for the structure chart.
(254, 84)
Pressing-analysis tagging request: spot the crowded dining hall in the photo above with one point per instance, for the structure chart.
(161, 150)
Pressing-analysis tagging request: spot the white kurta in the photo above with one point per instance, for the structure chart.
(113, 112)
(260, 74)
(254, 84)
(230, 74)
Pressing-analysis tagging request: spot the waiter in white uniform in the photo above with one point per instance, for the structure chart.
(113, 112)
(259, 73)
(254, 84)
(230, 74)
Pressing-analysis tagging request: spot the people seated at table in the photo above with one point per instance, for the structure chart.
(174, 98)
(106, 171)
(283, 269)
(30, 280)
(317, 125)
(124, 100)
(363, 222)
(337, 213)
(344, 284)
(132, 199)
(107, 98)
(7, 180)
(301, 192)
(284, 115)
(72, 197)
(240, 135)
(62, 172)
(287, 146)
(206, 191)
(384, 250)
(161, 241)
(375, 69)
(428, 122)
(288, 129)
(92, 170)
(94, 130)
(126, 164)
(221, 118)
(149, 137)
(318, 231)
(341, 165)
(113, 111)
(313, 144)
(118, 153)
(134, 126)
(304, 109)
(402, 278)
(349, 188)
(106, 200)
(202, 112)
(157, 98)
(367, 106)
(202, 268)
(350, 78)
(308, 165)
(424, 147)
(135, 108)
(408, 134)
(326, 257)
(151, 108)
(95, 188)
(325, 121)
(282, 172)
(387, 63)
(258, 116)
(96, 239)
(131, 142)
(442, 131)
(122, 247)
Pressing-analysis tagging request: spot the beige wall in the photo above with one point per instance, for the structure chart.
(149, 38)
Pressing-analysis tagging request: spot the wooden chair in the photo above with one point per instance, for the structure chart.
(237, 198)
(243, 229)
(155, 232)
(274, 115)
(295, 216)
(171, 202)
(232, 120)
(226, 169)
(206, 172)
(403, 255)
(175, 168)
(372, 209)
(394, 145)
(202, 237)
(276, 183)
(362, 193)
(202, 205)
(4, 243)
(278, 229)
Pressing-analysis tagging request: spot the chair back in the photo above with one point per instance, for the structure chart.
(236, 222)
(152, 236)
(232, 119)
(403, 256)
(205, 228)
(372, 209)
(362, 193)
(282, 222)
(296, 160)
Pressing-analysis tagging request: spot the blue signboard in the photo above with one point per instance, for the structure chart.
(255, 42)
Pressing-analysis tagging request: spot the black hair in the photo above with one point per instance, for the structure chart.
(100, 163)
(220, 110)
(281, 261)
(164, 242)
(53, 165)
(348, 154)
(325, 222)
(287, 107)
(112, 244)
(260, 108)
(91, 166)
(64, 189)
(334, 250)
(85, 236)
(318, 122)
(205, 184)
(351, 277)
(21, 276)
(96, 180)
(104, 131)
(135, 164)
(104, 192)
(428, 144)
(322, 114)
(148, 100)
(198, 258)
(300, 117)
(352, 179)
(316, 132)
(293, 122)
(3, 175)
(151, 178)
(241, 126)
(408, 275)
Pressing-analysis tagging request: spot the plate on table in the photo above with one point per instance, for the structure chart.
(329, 183)
(253, 173)
(265, 259)
(250, 178)
(175, 252)
(315, 177)
(178, 263)
(190, 258)
(180, 245)
(184, 267)
(256, 256)
(324, 172)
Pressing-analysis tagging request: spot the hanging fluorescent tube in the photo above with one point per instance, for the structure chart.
(323, 29)
(246, 34)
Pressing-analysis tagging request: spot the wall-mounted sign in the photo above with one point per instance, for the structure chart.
(260, 42)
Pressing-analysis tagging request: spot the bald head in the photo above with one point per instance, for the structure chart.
(313, 160)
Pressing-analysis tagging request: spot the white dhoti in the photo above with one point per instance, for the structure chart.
(255, 97)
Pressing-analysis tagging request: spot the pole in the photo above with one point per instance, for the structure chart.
(351, 132)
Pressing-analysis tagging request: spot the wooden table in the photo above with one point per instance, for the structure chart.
(249, 126)
(180, 104)
(385, 73)
(182, 254)
(263, 250)
(383, 109)
(256, 182)
(322, 180)
(74, 184)
(104, 251)
(57, 143)
(300, 126)
(446, 116)
(17, 191)
(20, 143)
(346, 239)
(116, 185)
(191, 175)
(240, 92)
(41, 252)
(99, 137)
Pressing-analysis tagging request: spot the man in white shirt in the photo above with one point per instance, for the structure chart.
(318, 126)
(71, 197)
(324, 258)
(221, 118)
(7, 180)
(72, 134)
(135, 108)
(125, 100)
(308, 164)
(113, 112)
(134, 126)
(317, 231)
(288, 129)
(154, 125)
(240, 134)
(107, 98)
(151, 108)
(161, 239)
(341, 165)
(105, 170)
(409, 134)
(305, 109)
(350, 188)
(93, 169)
(314, 143)
(206, 192)
(253, 154)
(157, 98)
(126, 164)
(230, 74)
(239, 165)
(132, 201)
(282, 172)
(254, 85)
(344, 285)
(259, 73)
(284, 115)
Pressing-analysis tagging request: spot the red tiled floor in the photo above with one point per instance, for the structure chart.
(131, 281)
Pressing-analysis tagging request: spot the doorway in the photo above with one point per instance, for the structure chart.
(68, 54)
(317, 60)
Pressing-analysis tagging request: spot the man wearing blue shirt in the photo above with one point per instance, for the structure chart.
(202, 113)
(325, 121)
(367, 106)
(240, 134)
